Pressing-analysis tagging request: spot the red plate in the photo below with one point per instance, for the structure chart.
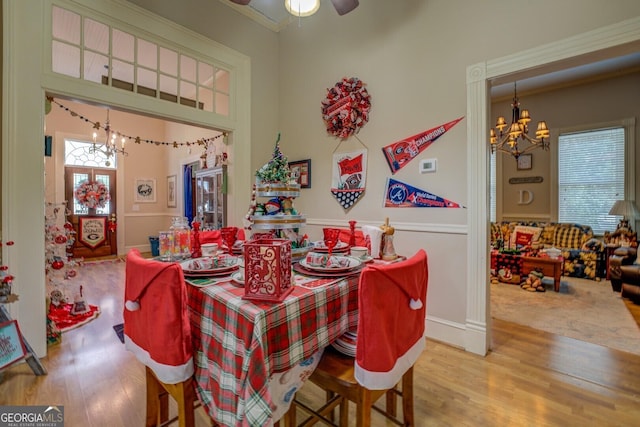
(300, 269)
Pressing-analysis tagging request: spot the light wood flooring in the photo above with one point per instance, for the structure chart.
(530, 378)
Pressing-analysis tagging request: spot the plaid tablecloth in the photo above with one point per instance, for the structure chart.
(239, 344)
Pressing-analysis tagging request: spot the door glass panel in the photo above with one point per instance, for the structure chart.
(107, 207)
(79, 209)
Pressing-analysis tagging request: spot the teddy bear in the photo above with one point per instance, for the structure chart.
(533, 282)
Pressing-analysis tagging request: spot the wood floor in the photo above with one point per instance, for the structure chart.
(530, 378)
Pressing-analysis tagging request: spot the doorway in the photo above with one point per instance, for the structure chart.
(90, 193)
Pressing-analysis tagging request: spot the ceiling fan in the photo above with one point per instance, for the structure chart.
(341, 6)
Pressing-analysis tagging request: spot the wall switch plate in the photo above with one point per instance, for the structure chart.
(428, 165)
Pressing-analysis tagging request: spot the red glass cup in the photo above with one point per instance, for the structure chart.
(229, 235)
(331, 237)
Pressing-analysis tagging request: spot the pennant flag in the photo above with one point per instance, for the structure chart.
(401, 195)
(349, 177)
(400, 153)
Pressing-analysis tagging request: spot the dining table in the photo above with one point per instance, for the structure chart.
(241, 345)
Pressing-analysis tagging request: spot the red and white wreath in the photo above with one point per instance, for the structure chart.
(346, 108)
(92, 194)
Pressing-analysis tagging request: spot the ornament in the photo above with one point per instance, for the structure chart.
(60, 239)
(57, 264)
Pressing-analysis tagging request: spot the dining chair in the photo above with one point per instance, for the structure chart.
(392, 301)
(157, 332)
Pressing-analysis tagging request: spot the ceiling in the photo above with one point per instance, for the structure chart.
(273, 15)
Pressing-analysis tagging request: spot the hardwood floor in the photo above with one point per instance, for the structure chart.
(530, 378)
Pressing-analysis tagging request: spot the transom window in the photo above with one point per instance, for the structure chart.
(90, 50)
(80, 153)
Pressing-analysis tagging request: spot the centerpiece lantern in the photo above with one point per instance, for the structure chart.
(267, 264)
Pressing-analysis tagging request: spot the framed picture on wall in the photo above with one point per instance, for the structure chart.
(525, 162)
(171, 191)
(301, 172)
(144, 190)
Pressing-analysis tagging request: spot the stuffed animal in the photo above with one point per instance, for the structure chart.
(533, 283)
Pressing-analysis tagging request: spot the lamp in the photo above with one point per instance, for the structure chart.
(627, 209)
(110, 147)
(301, 8)
(516, 139)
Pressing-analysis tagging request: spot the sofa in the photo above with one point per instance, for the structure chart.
(583, 254)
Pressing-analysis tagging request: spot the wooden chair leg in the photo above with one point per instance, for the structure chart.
(344, 412)
(157, 400)
(391, 402)
(185, 397)
(363, 408)
(407, 398)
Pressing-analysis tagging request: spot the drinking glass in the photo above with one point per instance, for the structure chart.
(229, 235)
(331, 237)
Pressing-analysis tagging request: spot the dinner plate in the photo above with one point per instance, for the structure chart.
(211, 273)
(230, 265)
(302, 270)
(319, 246)
(353, 263)
(237, 279)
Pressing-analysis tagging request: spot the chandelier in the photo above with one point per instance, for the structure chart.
(110, 146)
(516, 139)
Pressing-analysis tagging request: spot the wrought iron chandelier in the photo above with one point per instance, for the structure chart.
(110, 146)
(516, 140)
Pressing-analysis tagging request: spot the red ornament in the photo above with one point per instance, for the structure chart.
(68, 226)
(57, 264)
(60, 239)
(10, 243)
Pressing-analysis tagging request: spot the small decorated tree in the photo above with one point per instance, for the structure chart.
(277, 169)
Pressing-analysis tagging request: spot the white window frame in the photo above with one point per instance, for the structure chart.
(629, 158)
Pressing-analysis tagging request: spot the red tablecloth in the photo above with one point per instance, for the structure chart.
(239, 344)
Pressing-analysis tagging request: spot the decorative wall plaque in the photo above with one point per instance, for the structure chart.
(526, 180)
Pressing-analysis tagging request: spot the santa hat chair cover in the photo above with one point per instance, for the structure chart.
(156, 322)
(391, 320)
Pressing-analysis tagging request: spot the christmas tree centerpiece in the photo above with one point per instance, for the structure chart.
(276, 170)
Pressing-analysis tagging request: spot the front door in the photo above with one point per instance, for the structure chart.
(91, 198)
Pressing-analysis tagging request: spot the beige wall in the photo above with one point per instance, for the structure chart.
(613, 99)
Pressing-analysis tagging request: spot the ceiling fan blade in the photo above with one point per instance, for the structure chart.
(344, 6)
(242, 2)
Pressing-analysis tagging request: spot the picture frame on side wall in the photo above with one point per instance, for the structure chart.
(171, 191)
(144, 190)
(301, 172)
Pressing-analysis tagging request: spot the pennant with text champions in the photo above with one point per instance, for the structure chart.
(349, 177)
(401, 195)
(400, 153)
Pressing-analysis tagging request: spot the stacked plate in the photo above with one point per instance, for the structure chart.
(340, 248)
(344, 266)
(346, 343)
(209, 267)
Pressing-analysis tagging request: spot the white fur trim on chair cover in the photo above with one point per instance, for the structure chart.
(386, 380)
(168, 374)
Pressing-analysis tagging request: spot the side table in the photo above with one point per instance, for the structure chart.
(609, 249)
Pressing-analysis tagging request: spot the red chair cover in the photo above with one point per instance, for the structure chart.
(156, 321)
(392, 302)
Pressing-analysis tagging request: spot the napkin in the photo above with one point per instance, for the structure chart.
(374, 235)
(323, 260)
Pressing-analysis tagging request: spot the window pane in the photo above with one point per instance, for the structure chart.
(222, 104)
(95, 66)
(106, 210)
(79, 153)
(169, 85)
(147, 54)
(187, 68)
(122, 71)
(65, 59)
(96, 36)
(147, 79)
(205, 75)
(206, 98)
(168, 62)
(122, 45)
(591, 170)
(222, 81)
(66, 25)
(79, 209)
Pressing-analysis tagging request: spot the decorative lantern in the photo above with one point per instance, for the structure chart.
(267, 269)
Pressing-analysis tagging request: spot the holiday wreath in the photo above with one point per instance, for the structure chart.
(346, 107)
(92, 194)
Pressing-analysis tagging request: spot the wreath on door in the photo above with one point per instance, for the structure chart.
(346, 107)
(92, 194)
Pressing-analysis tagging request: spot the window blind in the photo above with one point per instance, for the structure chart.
(591, 177)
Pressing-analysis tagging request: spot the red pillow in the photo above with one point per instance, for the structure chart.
(523, 239)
